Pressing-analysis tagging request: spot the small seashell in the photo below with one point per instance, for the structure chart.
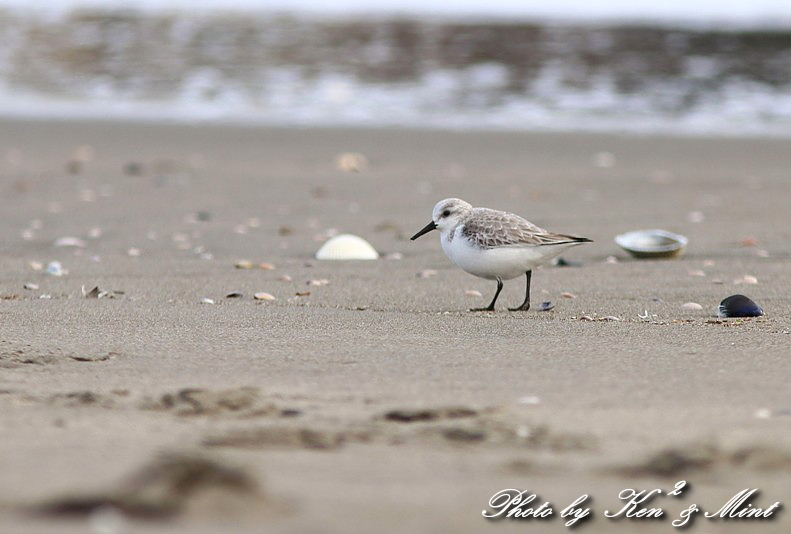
(692, 306)
(762, 253)
(27, 234)
(318, 282)
(351, 162)
(473, 293)
(746, 279)
(762, 413)
(603, 160)
(426, 273)
(696, 272)
(546, 306)
(240, 229)
(652, 243)
(717, 281)
(302, 293)
(696, 217)
(347, 247)
(284, 278)
(206, 301)
(45, 296)
(243, 264)
(234, 295)
(31, 286)
(54, 268)
(264, 296)
(264, 266)
(36, 265)
(748, 241)
(739, 306)
(70, 242)
(585, 318)
(529, 400)
(610, 318)
(708, 263)
(94, 293)
(567, 295)
(394, 256)
(610, 259)
(133, 252)
(95, 232)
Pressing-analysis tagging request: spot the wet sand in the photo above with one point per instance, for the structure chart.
(375, 402)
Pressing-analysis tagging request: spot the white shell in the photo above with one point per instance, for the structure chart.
(652, 243)
(347, 247)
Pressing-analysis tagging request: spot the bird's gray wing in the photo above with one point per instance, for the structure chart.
(491, 228)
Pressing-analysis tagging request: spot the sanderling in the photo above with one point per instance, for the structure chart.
(495, 245)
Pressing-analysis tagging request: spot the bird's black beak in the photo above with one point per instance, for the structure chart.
(426, 229)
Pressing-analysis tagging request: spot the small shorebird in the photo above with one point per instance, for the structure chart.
(495, 245)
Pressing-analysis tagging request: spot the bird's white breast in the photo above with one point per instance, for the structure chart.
(503, 262)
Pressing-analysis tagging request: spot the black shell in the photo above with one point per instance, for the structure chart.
(739, 306)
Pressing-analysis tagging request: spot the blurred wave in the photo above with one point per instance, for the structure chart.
(392, 71)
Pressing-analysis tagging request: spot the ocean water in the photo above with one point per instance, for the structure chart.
(683, 67)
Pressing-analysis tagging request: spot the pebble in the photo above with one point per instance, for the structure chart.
(426, 273)
(567, 295)
(696, 272)
(70, 242)
(263, 296)
(748, 241)
(265, 266)
(763, 413)
(302, 293)
(234, 295)
(546, 306)
(611, 259)
(585, 318)
(529, 400)
(473, 293)
(746, 279)
(243, 264)
(696, 217)
(692, 306)
(133, 252)
(36, 265)
(206, 301)
(31, 286)
(284, 278)
(318, 282)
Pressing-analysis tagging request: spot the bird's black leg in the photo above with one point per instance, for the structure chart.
(490, 307)
(526, 304)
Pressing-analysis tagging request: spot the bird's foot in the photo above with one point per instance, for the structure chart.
(490, 308)
(523, 307)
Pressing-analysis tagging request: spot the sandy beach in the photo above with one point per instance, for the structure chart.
(364, 397)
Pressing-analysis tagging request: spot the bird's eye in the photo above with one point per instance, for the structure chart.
(446, 213)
